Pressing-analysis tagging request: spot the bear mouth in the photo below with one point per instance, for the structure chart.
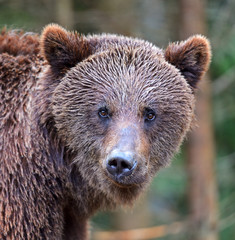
(126, 181)
(116, 182)
(121, 184)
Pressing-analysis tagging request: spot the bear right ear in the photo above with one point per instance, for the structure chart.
(63, 49)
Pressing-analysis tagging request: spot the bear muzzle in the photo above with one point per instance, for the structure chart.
(125, 163)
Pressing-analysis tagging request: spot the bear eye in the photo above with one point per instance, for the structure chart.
(149, 115)
(103, 113)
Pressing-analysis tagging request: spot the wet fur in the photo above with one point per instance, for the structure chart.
(52, 144)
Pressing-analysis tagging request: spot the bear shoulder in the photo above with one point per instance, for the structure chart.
(20, 68)
(15, 43)
(20, 64)
(19, 55)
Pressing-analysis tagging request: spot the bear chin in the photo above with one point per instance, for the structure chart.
(126, 195)
(125, 192)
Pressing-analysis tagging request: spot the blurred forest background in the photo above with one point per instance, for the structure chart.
(186, 191)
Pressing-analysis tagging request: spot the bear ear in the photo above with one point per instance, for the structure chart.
(63, 49)
(191, 57)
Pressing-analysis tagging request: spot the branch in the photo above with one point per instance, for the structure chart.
(142, 233)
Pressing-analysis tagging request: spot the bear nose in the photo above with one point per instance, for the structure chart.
(121, 164)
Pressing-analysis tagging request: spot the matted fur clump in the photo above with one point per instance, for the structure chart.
(85, 123)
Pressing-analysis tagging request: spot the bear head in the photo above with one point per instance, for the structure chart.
(121, 105)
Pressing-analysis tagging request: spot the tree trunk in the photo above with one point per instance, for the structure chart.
(200, 148)
(64, 13)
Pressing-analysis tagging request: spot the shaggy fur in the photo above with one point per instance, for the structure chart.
(53, 144)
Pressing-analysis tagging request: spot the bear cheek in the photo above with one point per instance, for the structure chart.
(168, 137)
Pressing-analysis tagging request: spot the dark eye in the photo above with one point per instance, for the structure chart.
(103, 113)
(149, 115)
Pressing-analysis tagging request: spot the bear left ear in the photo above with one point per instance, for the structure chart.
(63, 49)
(191, 57)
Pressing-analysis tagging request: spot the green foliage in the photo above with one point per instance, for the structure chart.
(224, 57)
(17, 18)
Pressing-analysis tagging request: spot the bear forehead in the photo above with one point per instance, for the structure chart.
(120, 79)
(127, 70)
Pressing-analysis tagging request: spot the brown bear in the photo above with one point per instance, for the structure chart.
(85, 123)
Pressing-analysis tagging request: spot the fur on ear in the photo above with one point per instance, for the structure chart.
(63, 49)
(191, 57)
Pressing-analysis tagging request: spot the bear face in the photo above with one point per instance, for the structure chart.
(121, 106)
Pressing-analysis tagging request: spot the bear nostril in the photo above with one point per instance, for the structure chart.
(113, 163)
(119, 166)
(124, 164)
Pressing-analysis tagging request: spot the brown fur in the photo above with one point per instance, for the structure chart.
(53, 144)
